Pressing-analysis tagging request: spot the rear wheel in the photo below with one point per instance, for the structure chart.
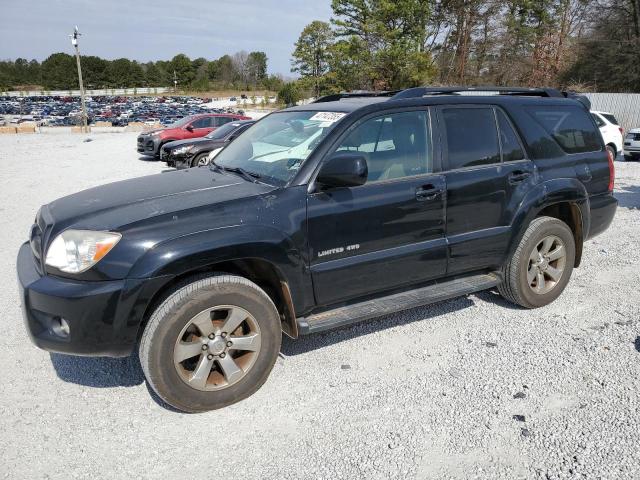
(541, 266)
(211, 343)
(200, 160)
(612, 150)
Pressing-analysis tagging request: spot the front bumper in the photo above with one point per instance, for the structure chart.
(103, 317)
(178, 161)
(147, 145)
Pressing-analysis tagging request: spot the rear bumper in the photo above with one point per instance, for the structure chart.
(103, 317)
(603, 209)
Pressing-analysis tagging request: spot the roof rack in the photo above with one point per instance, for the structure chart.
(422, 91)
(356, 94)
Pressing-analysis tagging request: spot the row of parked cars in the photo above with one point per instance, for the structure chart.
(118, 110)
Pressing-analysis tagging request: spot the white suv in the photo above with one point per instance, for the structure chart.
(632, 144)
(611, 131)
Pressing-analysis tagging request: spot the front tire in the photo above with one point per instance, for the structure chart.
(211, 343)
(200, 160)
(540, 268)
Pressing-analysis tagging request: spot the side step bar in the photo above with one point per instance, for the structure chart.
(378, 307)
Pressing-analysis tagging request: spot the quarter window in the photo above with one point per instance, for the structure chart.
(395, 146)
(570, 127)
(472, 137)
(511, 147)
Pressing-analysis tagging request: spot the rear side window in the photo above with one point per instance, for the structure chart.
(511, 147)
(570, 127)
(472, 137)
(598, 120)
(611, 118)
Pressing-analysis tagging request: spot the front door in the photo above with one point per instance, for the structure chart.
(487, 176)
(389, 232)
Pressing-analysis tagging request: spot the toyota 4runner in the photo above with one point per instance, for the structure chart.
(317, 217)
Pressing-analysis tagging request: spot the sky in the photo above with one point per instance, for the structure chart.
(157, 30)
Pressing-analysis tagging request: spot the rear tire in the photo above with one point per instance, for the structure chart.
(614, 153)
(540, 268)
(211, 343)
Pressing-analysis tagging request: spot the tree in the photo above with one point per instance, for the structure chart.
(288, 94)
(257, 68)
(183, 68)
(241, 68)
(59, 71)
(311, 56)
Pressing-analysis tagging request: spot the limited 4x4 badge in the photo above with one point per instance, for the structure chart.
(333, 251)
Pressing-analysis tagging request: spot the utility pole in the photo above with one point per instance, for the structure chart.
(74, 42)
(175, 82)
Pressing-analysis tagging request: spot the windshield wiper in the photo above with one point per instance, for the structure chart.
(247, 175)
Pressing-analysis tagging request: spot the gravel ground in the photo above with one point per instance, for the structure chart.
(470, 388)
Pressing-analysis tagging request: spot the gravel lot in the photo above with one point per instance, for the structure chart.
(470, 388)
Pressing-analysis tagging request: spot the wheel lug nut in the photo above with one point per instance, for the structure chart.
(209, 357)
(222, 355)
(204, 347)
(224, 334)
(229, 344)
(212, 336)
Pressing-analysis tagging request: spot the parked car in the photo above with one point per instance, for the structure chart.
(632, 144)
(317, 217)
(195, 152)
(612, 132)
(193, 126)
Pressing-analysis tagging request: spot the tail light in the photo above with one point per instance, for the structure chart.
(612, 171)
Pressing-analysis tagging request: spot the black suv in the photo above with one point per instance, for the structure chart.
(316, 217)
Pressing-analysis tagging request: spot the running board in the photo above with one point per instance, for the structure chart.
(378, 307)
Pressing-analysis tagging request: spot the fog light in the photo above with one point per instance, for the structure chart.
(60, 327)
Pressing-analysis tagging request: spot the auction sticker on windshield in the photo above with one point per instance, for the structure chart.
(327, 117)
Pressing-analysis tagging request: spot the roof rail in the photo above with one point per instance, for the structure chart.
(355, 94)
(422, 91)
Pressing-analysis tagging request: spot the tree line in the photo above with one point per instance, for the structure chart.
(390, 44)
(242, 71)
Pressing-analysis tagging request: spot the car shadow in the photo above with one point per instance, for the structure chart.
(317, 341)
(145, 158)
(628, 196)
(637, 344)
(98, 372)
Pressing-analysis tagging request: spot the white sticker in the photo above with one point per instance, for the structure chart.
(327, 117)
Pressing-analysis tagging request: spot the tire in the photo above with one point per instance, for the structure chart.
(517, 286)
(196, 160)
(164, 338)
(612, 151)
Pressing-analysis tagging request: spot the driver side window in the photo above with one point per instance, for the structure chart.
(396, 145)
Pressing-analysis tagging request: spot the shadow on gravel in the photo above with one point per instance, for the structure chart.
(309, 343)
(637, 344)
(629, 197)
(98, 372)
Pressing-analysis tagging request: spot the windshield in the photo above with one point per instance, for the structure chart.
(221, 132)
(180, 123)
(275, 148)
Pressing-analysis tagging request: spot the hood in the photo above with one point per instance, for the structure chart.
(117, 205)
(200, 142)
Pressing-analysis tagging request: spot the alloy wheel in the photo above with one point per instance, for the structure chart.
(547, 263)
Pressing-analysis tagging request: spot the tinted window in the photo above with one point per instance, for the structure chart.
(611, 118)
(395, 145)
(511, 147)
(472, 137)
(219, 121)
(598, 120)
(570, 126)
(201, 123)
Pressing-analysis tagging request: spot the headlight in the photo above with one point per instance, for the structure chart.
(182, 150)
(74, 251)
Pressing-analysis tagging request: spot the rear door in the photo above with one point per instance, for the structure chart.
(390, 231)
(202, 126)
(487, 175)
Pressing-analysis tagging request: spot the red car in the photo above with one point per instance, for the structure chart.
(193, 126)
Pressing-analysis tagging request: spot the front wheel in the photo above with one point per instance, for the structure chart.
(211, 343)
(541, 266)
(200, 160)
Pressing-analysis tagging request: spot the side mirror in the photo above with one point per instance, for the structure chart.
(189, 128)
(344, 169)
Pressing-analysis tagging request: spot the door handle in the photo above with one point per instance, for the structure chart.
(427, 192)
(518, 176)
